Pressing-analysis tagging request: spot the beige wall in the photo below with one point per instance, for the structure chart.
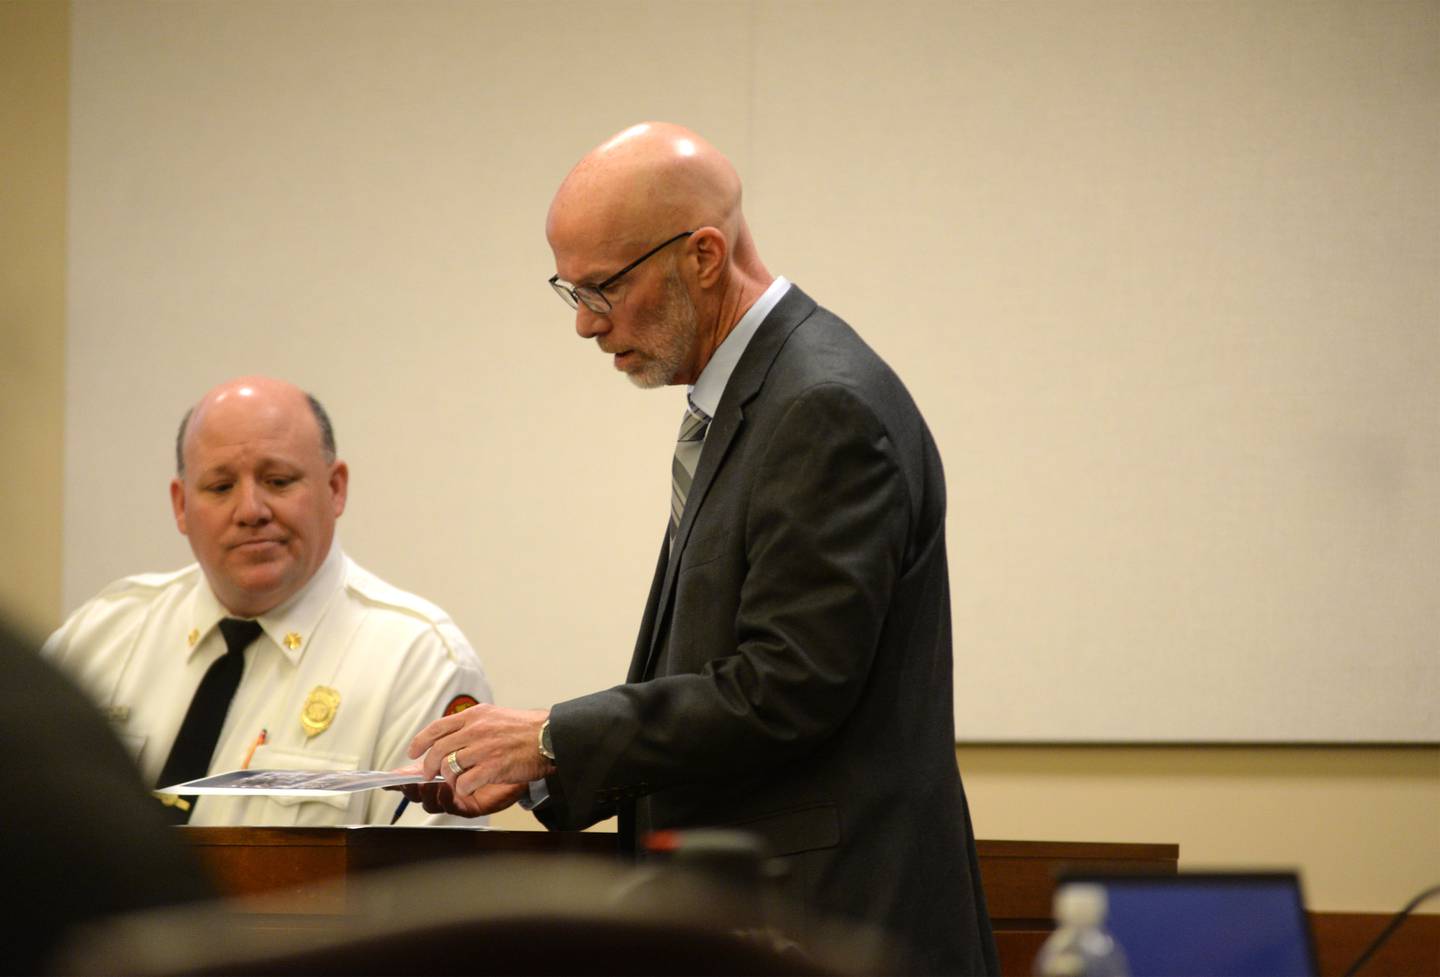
(34, 88)
(1133, 260)
(1363, 824)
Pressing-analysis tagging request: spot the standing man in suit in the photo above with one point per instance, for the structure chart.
(792, 676)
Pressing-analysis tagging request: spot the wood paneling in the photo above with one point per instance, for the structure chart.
(1413, 950)
(280, 866)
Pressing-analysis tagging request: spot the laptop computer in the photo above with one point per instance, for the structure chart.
(1208, 924)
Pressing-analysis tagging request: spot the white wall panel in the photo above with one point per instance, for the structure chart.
(1162, 277)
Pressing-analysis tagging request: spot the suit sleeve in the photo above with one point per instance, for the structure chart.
(824, 532)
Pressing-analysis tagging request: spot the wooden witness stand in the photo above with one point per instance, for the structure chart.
(282, 864)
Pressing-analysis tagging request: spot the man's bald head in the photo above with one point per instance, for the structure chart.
(279, 387)
(646, 183)
(651, 184)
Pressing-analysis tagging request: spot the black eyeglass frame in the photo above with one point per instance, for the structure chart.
(574, 295)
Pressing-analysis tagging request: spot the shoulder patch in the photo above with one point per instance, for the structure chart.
(459, 704)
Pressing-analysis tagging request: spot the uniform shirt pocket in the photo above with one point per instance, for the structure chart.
(273, 757)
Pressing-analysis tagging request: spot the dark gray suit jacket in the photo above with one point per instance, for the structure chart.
(792, 675)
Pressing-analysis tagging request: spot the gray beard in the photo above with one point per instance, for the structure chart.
(676, 329)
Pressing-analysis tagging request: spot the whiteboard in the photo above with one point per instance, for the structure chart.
(1162, 278)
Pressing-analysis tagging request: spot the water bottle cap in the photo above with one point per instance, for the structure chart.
(1080, 904)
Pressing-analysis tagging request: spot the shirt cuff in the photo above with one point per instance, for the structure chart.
(539, 794)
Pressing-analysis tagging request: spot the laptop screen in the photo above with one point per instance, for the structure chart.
(1209, 923)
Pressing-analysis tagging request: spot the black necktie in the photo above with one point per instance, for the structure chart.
(190, 756)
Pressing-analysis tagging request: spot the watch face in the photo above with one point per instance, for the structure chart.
(545, 747)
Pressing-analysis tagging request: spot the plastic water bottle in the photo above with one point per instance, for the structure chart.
(1081, 946)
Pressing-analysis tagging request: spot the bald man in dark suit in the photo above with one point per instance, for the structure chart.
(792, 676)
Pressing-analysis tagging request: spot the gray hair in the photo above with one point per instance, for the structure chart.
(327, 434)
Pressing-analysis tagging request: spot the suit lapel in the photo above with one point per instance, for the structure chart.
(744, 386)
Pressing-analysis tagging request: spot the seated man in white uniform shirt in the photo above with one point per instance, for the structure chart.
(342, 670)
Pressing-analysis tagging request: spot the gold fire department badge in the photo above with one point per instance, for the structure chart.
(319, 711)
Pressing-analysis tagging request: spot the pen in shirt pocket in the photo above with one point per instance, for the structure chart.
(250, 753)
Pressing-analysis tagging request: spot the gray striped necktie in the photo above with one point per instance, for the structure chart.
(687, 457)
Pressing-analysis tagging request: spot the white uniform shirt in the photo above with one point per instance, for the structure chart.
(396, 661)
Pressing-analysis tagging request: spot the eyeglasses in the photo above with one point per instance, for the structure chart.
(593, 296)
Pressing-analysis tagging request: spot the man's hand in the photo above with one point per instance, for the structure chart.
(492, 745)
(442, 799)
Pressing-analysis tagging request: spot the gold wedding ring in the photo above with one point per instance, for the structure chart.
(455, 767)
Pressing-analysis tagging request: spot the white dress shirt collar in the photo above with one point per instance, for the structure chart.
(710, 385)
